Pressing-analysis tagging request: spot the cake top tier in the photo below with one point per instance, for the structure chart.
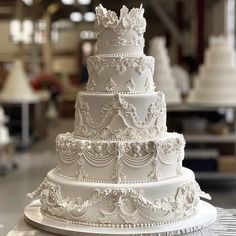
(158, 50)
(157, 43)
(120, 35)
(221, 53)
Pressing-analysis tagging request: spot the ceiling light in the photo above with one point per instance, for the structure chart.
(28, 2)
(87, 34)
(89, 16)
(27, 26)
(84, 2)
(76, 16)
(67, 2)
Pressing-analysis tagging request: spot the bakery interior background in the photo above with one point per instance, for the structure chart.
(43, 52)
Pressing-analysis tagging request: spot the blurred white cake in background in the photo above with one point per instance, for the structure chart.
(4, 133)
(163, 77)
(216, 81)
(17, 88)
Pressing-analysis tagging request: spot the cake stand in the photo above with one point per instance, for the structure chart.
(205, 216)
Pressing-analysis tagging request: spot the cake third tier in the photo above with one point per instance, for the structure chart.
(116, 116)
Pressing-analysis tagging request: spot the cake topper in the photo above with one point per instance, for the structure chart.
(132, 19)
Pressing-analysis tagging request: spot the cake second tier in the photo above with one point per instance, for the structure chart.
(116, 116)
(120, 161)
(121, 73)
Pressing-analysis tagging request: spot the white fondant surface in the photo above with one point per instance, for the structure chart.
(151, 191)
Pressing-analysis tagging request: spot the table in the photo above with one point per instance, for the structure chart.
(225, 226)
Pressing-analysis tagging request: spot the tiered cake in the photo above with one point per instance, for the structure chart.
(17, 88)
(216, 81)
(120, 168)
(163, 77)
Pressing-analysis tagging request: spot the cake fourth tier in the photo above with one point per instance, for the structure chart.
(120, 161)
(116, 116)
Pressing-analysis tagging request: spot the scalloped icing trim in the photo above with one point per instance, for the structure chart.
(132, 154)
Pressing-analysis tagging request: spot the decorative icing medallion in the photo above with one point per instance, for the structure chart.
(119, 65)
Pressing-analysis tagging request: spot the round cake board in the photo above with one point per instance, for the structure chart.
(205, 216)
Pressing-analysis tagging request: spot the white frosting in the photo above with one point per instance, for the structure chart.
(216, 81)
(120, 167)
(118, 116)
(17, 88)
(163, 77)
(120, 161)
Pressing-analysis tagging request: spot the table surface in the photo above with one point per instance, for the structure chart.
(224, 226)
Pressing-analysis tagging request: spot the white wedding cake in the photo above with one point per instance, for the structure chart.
(120, 168)
(17, 88)
(216, 82)
(163, 77)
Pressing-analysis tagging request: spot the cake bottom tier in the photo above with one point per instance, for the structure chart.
(120, 205)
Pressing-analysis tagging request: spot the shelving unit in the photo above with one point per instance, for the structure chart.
(208, 138)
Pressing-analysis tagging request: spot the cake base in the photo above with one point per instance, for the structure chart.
(205, 216)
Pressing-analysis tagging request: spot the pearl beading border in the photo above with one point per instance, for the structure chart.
(105, 225)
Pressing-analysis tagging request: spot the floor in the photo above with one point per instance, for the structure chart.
(41, 157)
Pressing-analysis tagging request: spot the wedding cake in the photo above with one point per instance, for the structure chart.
(17, 88)
(216, 81)
(163, 77)
(120, 168)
